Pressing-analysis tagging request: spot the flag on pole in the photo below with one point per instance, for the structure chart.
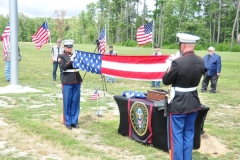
(41, 36)
(102, 42)
(144, 34)
(149, 68)
(95, 95)
(5, 39)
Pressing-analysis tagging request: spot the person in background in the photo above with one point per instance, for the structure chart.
(56, 50)
(184, 75)
(6, 58)
(71, 86)
(156, 53)
(213, 66)
(113, 53)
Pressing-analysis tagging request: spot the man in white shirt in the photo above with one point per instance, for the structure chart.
(113, 53)
(56, 50)
(156, 53)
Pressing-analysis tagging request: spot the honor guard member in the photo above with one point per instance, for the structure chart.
(184, 75)
(56, 50)
(71, 83)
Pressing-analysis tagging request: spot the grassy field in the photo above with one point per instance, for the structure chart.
(31, 128)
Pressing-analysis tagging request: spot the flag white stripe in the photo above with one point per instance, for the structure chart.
(158, 67)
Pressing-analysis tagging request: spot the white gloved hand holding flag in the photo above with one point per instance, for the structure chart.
(170, 59)
(72, 57)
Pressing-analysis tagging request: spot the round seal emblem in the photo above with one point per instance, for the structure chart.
(139, 118)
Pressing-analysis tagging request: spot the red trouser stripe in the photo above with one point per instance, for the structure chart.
(171, 138)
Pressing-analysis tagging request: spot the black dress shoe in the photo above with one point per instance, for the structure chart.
(75, 125)
(69, 127)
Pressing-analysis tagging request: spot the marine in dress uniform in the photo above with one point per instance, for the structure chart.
(184, 75)
(71, 83)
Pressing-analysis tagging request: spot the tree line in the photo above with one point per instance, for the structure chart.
(215, 21)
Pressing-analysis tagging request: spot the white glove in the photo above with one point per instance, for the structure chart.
(72, 57)
(168, 63)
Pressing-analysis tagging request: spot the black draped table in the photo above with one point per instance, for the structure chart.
(145, 123)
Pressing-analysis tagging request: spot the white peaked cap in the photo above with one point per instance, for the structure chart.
(187, 38)
(68, 43)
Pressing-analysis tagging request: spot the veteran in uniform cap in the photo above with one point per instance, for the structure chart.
(71, 83)
(184, 75)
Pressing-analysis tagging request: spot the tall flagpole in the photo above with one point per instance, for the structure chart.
(49, 34)
(13, 12)
(153, 29)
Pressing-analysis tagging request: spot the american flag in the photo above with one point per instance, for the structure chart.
(5, 38)
(95, 95)
(41, 36)
(149, 68)
(144, 34)
(102, 40)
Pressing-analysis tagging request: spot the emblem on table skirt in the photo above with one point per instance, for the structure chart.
(139, 118)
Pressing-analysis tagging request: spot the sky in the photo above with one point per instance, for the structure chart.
(46, 8)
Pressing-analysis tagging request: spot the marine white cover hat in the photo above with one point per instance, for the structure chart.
(68, 43)
(187, 38)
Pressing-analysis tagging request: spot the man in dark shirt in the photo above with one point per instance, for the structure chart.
(184, 75)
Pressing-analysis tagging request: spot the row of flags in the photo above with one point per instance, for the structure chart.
(41, 37)
(128, 67)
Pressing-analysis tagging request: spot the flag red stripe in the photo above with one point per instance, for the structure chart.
(136, 59)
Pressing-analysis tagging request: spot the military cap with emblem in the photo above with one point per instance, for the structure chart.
(68, 43)
(187, 38)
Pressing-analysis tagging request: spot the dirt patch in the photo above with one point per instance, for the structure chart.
(21, 145)
(212, 145)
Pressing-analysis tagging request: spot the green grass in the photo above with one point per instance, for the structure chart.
(35, 71)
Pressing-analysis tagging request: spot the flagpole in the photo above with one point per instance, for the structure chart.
(97, 106)
(153, 29)
(49, 34)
